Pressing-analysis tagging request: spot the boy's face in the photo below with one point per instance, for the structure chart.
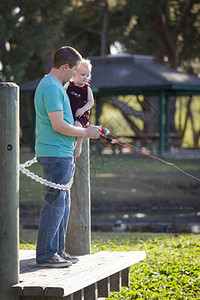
(69, 73)
(82, 75)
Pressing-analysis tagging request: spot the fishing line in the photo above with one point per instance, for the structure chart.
(104, 134)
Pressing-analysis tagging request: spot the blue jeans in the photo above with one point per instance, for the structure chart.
(55, 210)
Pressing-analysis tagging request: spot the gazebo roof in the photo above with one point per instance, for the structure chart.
(127, 73)
(29, 86)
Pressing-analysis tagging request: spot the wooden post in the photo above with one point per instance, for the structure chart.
(167, 122)
(78, 238)
(33, 118)
(161, 123)
(9, 190)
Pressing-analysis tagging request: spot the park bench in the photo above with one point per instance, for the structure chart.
(148, 141)
(94, 276)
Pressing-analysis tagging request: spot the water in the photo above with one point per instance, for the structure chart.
(176, 220)
(158, 219)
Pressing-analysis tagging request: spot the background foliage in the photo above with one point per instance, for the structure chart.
(168, 30)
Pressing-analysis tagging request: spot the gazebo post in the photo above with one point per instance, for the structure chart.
(98, 101)
(167, 121)
(161, 122)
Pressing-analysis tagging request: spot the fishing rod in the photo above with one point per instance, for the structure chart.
(104, 134)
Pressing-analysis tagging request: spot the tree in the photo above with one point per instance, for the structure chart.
(28, 30)
(168, 30)
(90, 25)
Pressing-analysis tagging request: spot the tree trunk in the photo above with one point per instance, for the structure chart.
(104, 30)
(172, 110)
(151, 124)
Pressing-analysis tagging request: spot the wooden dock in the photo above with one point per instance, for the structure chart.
(93, 277)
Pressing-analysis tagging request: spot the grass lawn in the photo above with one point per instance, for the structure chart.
(170, 271)
(139, 181)
(129, 180)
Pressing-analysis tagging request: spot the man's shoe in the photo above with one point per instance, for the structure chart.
(55, 262)
(70, 258)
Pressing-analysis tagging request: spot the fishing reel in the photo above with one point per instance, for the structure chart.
(104, 133)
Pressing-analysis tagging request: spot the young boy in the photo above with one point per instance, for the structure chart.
(81, 98)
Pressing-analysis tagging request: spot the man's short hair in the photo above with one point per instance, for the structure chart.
(66, 55)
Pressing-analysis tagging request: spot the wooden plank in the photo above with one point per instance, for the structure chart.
(33, 290)
(55, 291)
(79, 295)
(104, 287)
(116, 282)
(70, 297)
(104, 266)
(17, 289)
(91, 292)
(67, 281)
(126, 277)
(46, 298)
(27, 263)
(33, 298)
(52, 275)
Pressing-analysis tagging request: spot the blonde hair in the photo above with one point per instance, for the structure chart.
(86, 62)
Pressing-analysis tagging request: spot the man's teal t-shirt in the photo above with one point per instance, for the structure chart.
(51, 96)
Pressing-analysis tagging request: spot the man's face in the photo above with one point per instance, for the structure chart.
(70, 72)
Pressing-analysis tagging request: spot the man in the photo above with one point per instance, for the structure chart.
(55, 137)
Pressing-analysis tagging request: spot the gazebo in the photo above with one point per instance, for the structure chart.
(128, 74)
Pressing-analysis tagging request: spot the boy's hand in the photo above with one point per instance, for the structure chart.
(79, 112)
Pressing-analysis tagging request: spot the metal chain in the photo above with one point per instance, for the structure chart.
(22, 168)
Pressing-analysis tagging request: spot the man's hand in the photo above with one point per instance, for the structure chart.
(93, 132)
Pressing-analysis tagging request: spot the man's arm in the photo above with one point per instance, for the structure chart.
(59, 125)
